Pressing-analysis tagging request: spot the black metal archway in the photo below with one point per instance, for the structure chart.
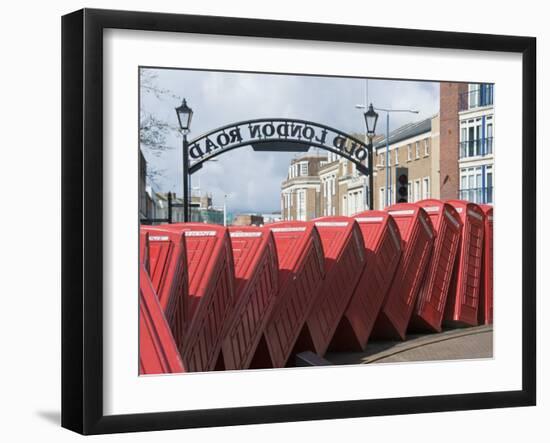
(276, 135)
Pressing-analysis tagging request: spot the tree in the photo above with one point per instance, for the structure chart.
(153, 131)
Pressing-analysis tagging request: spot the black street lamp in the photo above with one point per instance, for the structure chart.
(185, 113)
(371, 117)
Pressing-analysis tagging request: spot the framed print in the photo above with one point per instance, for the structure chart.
(269, 221)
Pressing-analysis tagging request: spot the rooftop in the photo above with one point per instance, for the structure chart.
(405, 132)
(308, 156)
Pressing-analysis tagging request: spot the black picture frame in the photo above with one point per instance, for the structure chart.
(82, 215)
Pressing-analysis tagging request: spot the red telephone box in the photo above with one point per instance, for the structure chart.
(344, 262)
(158, 353)
(301, 270)
(211, 292)
(382, 246)
(463, 300)
(256, 285)
(430, 303)
(485, 316)
(417, 235)
(166, 263)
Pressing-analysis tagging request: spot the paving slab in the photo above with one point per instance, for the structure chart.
(452, 344)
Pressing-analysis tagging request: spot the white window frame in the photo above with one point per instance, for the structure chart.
(304, 169)
(301, 205)
(396, 156)
(426, 191)
(417, 150)
(409, 152)
(416, 190)
(426, 147)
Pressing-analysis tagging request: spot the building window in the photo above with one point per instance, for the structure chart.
(409, 153)
(476, 184)
(417, 150)
(409, 192)
(476, 137)
(301, 209)
(426, 147)
(304, 168)
(474, 95)
(381, 199)
(396, 156)
(416, 191)
(382, 159)
(425, 188)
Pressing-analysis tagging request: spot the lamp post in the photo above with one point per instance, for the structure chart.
(185, 113)
(371, 117)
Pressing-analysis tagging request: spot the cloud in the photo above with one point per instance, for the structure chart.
(253, 179)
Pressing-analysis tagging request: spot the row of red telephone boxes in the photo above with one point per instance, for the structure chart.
(213, 298)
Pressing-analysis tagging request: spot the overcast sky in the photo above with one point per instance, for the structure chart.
(253, 179)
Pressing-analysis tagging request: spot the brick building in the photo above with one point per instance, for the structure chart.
(323, 185)
(414, 149)
(449, 108)
(248, 220)
(447, 156)
(300, 192)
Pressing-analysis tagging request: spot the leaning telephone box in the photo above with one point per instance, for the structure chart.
(144, 250)
(430, 303)
(301, 270)
(463, 300)
(166, 263)
(417, 235)
(211, 293)
(382, 246)
(344, 262)
(256, 284)
(158, 353)
(485, 316)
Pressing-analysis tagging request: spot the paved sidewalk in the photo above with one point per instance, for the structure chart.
(452, 344)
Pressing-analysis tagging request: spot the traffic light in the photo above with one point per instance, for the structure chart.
(402, 185)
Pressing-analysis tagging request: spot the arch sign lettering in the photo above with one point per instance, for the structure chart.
(276, 135)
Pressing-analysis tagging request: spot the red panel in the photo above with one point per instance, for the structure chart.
(417, 235)
(158, 353)
(430, 303)
(144, 250)
(211, 291)
(256, 285)
(463, 300)
(344, 262)
(301, 269)
(382, 244)
(168, 272)
(485, 315)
